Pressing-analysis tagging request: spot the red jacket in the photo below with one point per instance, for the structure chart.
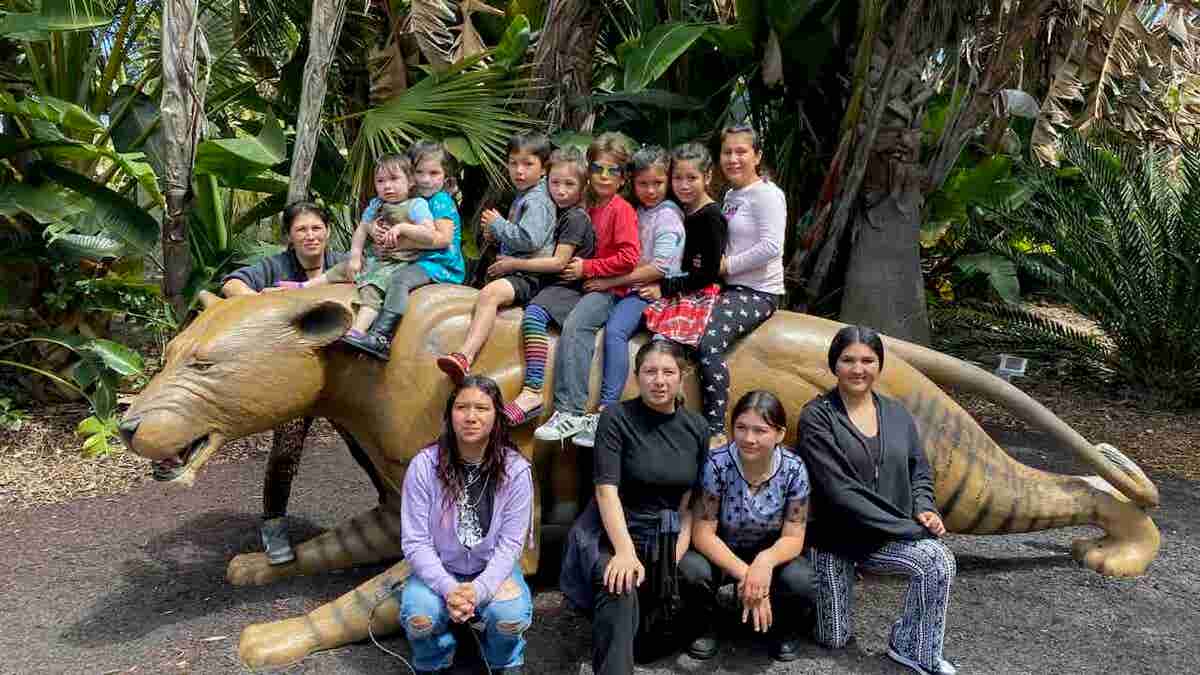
(617, 245)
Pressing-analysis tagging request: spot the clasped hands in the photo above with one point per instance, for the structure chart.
(461, 602)
(932, 522)
(754, 592)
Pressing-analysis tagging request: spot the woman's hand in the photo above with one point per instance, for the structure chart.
(650, 292)
(502, 266)
(596, 285)
(932, 522)
(624, 573)
(573, 271)
(756, 585)
(461, 602)
(760, 613)
(355, 264)
(681, 548)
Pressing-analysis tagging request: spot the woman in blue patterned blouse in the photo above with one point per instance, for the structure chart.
(749, 527)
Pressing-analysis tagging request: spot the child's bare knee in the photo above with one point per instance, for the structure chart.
(512, 627)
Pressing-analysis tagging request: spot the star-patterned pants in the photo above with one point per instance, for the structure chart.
(921, 629)
(738, 311)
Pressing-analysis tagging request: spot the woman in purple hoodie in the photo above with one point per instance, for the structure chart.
(466, 509)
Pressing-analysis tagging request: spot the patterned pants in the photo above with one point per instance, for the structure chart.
(287, 447)
(921, 629)
(738, 311)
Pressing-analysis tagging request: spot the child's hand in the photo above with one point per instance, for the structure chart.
(393, 236)
(354, 265)
(502, 266)
(595, 285)
(573, 271)
(650, 292)
(488, 216)
(724, 265)
(379, 230)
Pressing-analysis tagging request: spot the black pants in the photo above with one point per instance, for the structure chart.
(617, 628)
(793, 588)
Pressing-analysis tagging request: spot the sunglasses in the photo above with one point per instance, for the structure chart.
(613, 171)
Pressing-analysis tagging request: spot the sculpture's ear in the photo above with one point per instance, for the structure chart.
(208, 299)
(320, 322)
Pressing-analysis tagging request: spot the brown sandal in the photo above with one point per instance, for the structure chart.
(455, 365)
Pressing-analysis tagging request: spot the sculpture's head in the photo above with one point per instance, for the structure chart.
(244, 365)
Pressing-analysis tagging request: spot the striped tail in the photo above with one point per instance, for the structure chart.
(333, 624)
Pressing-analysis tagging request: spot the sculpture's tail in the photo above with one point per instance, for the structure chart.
(1117, 469)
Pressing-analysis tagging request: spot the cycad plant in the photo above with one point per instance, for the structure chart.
(1123, 224)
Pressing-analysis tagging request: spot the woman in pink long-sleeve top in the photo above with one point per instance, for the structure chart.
(466, 509)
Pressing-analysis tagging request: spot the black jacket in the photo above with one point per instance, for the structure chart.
(283, 266)
(849, 516)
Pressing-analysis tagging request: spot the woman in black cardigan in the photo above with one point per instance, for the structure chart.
(873, 506)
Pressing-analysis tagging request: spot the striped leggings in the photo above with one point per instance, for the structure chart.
(535, 335)
(921, 629)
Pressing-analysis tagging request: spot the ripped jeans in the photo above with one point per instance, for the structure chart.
(504, 624)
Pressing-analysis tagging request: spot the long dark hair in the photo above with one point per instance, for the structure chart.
(498, 445)
(297, 209)
(766, 404)
(853, 335)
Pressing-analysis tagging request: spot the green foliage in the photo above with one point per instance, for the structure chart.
(12, 418)
(649, 57)
(1125, 235)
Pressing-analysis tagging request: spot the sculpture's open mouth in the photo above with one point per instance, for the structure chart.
(182, 467)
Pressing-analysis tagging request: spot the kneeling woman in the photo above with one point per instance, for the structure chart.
(750, 517)
(466, 509)
(874, 506)
(622, 562)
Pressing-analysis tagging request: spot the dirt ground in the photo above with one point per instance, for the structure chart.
(134, 583)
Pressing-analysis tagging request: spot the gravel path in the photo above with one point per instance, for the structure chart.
(135, 584)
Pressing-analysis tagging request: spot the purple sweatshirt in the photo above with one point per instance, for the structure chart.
(429, 539)
(757, 216)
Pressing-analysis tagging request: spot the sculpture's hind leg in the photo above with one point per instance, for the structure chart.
(1130, 542)
(331, 625)
(367, 538)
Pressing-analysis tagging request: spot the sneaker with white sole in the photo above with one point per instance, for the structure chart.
(944, 666)
(560, 426)
(586, 438)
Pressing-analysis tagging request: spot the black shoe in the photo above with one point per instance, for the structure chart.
(273, 532)
(385, 324)
(372, 343)
(704, 647)
(785, 648)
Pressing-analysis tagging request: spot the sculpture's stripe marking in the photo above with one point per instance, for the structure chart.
(314, 548)
(364, 605)
(312, 628)
(957, 492)
(985, 510)
(341, 535)
(359, 529)
(338, 616)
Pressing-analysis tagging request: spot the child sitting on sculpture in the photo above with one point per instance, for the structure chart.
(661, 235)
(574, 237)
(384, 246)
(527, 248)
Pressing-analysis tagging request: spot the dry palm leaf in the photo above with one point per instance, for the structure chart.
(440, 38)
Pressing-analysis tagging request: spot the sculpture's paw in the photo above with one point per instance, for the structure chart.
(1114, 557)
(277, 643)
(253, 569)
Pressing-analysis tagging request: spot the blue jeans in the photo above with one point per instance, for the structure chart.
(622, 323)
(504, 621)
(576, 346)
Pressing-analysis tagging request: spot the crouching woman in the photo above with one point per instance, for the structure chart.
(751, 515)
(466, 509)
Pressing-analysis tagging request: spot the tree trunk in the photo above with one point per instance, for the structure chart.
(323, 31)
(884, 286)
(562, 64)
(182, 114)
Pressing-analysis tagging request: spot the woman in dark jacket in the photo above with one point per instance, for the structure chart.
(306, 230)
(873, 506)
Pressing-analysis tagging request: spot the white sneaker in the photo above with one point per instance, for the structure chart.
(560, 426)
(944, 666)
(586, 438)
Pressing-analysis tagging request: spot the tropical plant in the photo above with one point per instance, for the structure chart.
(1124, 225)
(95, 377)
